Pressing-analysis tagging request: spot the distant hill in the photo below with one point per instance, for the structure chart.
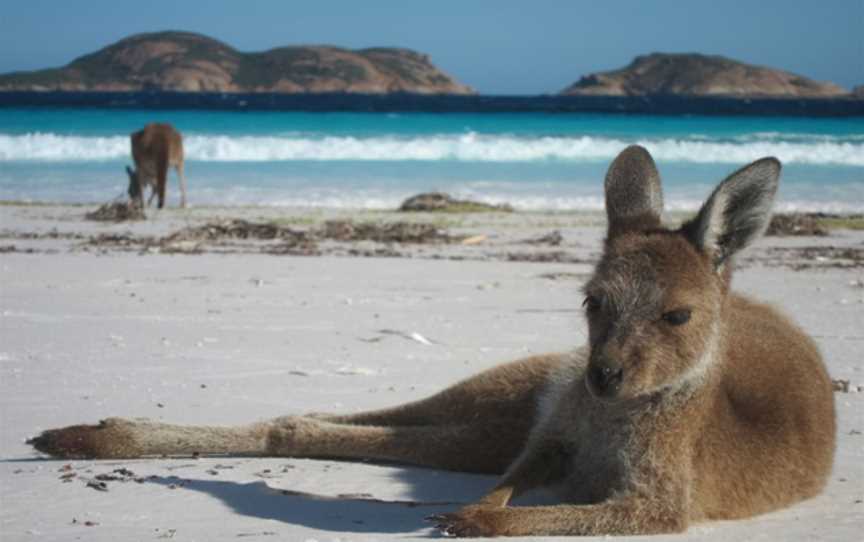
(700, 75)
(184, 61)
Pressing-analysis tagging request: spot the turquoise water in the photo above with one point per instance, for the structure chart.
(374, 160)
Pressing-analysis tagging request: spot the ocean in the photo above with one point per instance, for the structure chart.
(534, 161)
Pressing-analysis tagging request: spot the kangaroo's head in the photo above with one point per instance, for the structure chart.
(655, 301)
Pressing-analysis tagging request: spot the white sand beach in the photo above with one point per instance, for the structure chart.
(101, 319)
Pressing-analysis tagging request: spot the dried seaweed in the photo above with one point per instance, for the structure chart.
(117, 211)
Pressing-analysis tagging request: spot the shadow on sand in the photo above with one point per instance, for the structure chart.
(432, 492)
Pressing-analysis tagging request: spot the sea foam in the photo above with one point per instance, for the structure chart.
(468, 147)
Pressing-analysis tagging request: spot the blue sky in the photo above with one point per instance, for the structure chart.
(498, 47)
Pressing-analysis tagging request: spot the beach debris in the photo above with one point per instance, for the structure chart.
(117, 211)
(840, 385)
(552, 238)
(473, 240)
(796, 224)
(117, 475)
(98, 485)
(413, 336)
(441, 202)
(420, 338)
(557, 256)
(382, 232)
(191, 239)
(349, 370)
(564, 275)
(118, 240)
(828, 256)
(237, 229)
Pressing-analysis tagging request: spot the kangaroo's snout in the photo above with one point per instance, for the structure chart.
(604, 380)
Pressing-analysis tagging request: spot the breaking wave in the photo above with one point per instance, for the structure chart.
(468, 147)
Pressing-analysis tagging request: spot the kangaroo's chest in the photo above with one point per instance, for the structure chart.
(603, 450)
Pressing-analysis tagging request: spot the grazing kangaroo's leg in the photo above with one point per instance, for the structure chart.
(153, 194)
(478, 425)
(182, 179)
(161, 178)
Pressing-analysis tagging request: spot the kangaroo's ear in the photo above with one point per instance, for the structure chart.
(634, 198)
(130, 171)
(737, 212)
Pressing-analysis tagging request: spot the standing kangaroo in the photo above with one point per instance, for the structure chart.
(154, 149)
(689, 403)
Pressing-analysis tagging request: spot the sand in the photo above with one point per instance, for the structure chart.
(235, 330)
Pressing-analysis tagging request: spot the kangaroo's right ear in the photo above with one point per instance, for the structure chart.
(737, 212)
(634, 197)
(130, 171)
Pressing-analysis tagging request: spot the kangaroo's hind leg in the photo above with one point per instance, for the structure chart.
(478, 425)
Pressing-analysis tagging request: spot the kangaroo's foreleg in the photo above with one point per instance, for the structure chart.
(637, 515)
(538, 465)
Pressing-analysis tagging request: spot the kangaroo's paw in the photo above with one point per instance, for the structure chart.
(112, 438)
(469, 522)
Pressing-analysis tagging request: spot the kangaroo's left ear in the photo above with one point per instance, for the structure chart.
(737, 212)
(634, 197)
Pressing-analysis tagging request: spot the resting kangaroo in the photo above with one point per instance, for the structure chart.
(689, 403)
(154, 149)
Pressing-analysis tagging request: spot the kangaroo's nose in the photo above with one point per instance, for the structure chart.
(605, 379)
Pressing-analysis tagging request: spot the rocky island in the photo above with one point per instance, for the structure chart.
(700, 75)
(189, 62)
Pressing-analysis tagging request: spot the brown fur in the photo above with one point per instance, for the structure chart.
(689, 403)
(154, 149)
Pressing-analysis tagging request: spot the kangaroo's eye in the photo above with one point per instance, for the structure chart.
(592, 303)
(677, 317)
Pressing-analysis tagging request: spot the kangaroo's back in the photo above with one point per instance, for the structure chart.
(156, 144)
(770, 431)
